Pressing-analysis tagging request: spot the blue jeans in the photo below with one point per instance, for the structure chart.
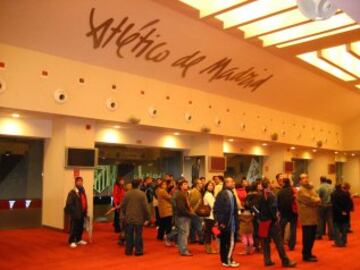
(196, 229)
(341, 230)
(133, 236)
(183, 226)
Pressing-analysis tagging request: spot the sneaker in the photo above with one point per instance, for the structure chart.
(186, 254)
(73, 245)
(225, 265)
(82, 243)
(234, 264)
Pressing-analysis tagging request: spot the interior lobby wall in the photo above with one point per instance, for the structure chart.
(137, 97)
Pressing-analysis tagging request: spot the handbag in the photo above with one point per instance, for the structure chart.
(203, 210)
(264, 228)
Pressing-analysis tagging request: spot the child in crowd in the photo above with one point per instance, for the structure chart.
(247, 229)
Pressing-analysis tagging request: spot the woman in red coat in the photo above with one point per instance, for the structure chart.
(118, 195)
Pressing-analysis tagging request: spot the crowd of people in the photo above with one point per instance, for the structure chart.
(218, 213)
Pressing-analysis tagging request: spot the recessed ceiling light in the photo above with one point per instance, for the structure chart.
(253, 10)
(308, 29)
(117, 126)
(342, 58)
(176, 133)
(336, 152)
(231, 140)
(353, 154)
(314, 150)
(292, 148)
(264, 144)
(313, 59)
(208, 7)
(357, 86)
(15, 115)
(313, 37)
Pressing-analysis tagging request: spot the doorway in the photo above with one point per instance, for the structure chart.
(21, 166)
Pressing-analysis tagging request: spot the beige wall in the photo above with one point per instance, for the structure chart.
(30, 127)
(58, 180)
(260, 122)
(351, 131)
(352, 173)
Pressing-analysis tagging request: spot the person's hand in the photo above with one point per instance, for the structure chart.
(146, 223)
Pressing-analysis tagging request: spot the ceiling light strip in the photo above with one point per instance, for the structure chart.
(274, 23)
(341, 58)
(354, 48)
(210, 7)
(313, 59)
(253, 11)
(318, 36)
(308, 29)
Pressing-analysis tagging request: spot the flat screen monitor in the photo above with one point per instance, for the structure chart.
(81, 157)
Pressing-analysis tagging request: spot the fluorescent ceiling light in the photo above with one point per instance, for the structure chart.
(357, 86)
(355, 47)
(340, 57)
(208, 7)
(313, 59)
(329, 33)
(307, 29)
(253, 10)
(273, 23)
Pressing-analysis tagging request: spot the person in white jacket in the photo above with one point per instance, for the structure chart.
(209, 199)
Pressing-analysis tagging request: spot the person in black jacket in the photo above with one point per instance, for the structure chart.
(268, 212)
(76, 208)
(286, 203)
(226, 215)
(342, 204)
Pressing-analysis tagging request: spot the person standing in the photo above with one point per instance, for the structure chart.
(76, 207)
(268, 215)
(148, 189)
(165, 213)
(325, 210)
(308, 202)
(286, 202)
(135, 210)
(219, 181)
(209, 199)
(347, 189)
(341, 204)
(226, 212)
(118, 195)
(183, 217)
(195, 199)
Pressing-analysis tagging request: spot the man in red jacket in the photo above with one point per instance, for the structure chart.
(76, 207)
(118, 195)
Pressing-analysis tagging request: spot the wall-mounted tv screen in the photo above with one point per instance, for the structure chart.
(81, 157)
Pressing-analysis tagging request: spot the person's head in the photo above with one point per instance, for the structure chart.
(163, 184)
(265, 183)
(147, 181)
(216, 179)
(338, 187)
(198, 184)
(79, 182)
(183, 185)
(329, 181)
(135, 183)
(221, 178)
(244, 183)
(158, 181)
(304, 179)
(258, 185)
(229, 183)
(323, 179)
(253, 187)
(167, 176)
(347, 186)
(203, 180)
(280, 179)
(210, 186)
(287, 182)
(121, 181)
